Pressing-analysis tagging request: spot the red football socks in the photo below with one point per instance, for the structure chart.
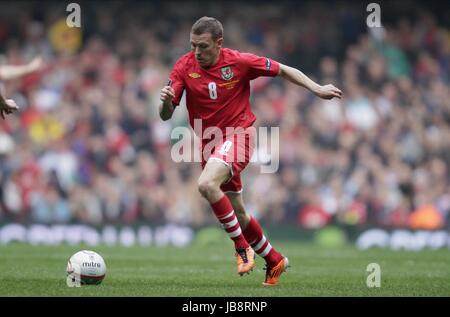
(254, 235)
(225, 213)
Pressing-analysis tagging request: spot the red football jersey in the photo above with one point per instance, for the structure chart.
(219, 95)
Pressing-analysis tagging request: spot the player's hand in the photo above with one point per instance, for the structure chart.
(167, 94)
(328, 92)
(8, 107)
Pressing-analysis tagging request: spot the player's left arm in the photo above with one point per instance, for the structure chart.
(297, 77)
(8, 72)
(7, 106)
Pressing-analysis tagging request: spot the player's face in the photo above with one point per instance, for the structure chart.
(206, 50)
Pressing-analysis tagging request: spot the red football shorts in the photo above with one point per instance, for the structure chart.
(235, 151)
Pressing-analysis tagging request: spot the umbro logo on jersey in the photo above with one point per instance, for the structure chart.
(227, 73)
(195, 75)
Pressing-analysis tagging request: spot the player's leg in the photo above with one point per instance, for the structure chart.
(238, 205)
(214, 174)
(253, 233)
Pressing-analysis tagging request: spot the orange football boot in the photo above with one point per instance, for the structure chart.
(245, 260)
(273, 274)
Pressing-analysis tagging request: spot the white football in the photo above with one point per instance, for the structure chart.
(87, 267)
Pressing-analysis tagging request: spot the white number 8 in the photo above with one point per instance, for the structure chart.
(212, 90)
(225, 147)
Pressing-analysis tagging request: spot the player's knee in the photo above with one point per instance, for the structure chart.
(206, 187)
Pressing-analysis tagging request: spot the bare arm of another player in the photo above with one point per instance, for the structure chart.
(14, 71)
(297, 77)
(7, 106)
(166, 108)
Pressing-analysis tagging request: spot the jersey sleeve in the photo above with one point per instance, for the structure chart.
(258, 66)
(176, 76)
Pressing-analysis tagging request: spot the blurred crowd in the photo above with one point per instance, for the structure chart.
(88, 146)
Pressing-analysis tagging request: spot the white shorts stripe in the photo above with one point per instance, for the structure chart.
(228, 216)
(230, 224)
(235, 233)
(227, 164)
(232, 192)
(266, 250)
(219, 160)
(260, 244)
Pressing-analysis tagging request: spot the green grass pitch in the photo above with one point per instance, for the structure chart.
(210, 271)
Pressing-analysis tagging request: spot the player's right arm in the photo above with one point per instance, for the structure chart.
(166, 108)
(172, 92)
